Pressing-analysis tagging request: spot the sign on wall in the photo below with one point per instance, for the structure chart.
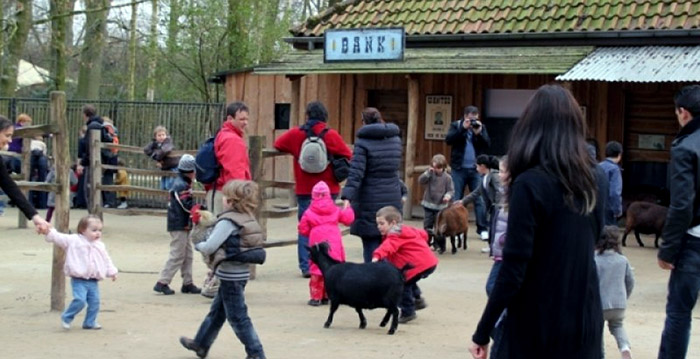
(363, 45)
(438, 115)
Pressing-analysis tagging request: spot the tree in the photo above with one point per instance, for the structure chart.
(153, 52)
(132, 52)
(15, 47)
(59, 26)
(90, 73)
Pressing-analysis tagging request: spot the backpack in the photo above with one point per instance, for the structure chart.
(109, 134)
(207, 165)
(313, 157)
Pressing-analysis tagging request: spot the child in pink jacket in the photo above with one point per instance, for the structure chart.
(87, 262)
(320, 224)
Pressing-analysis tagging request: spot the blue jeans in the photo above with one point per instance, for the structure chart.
(369, 244)
(683, 287)
(303, 202)
(85, 291)
(167, 181)
(229, 304)
(491, 281)
(471, 178)
(610, 219)
(410, 288)
(2, 203)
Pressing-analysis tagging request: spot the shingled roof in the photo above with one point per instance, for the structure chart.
(450, 17)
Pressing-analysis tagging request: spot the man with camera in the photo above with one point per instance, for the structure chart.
(468, 139)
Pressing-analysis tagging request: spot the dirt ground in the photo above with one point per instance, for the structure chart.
(138, 323)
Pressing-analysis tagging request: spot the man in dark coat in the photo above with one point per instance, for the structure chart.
(469, 139)
(94, 122)
(374, 180)
(680, 250)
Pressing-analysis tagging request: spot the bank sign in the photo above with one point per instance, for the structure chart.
(344, 45)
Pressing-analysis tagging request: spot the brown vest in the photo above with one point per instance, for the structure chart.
(251, 233)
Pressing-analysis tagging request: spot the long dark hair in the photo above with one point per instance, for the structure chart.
(551, 134)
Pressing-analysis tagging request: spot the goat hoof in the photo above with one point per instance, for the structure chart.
(391, 331)
(382, 324)
(454, 251)
(441, 251)
(326, 325)
(363, 325)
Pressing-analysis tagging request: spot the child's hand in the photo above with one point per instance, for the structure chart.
(479, 351)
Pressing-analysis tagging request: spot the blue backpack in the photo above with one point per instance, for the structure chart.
(207, 164)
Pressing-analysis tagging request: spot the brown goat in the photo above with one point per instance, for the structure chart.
(645, 218)
(452, 221)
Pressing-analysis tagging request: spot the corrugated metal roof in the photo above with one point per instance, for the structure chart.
(491, 60)
(440, 17)
(638, 64)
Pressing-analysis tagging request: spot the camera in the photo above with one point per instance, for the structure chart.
(475, 123)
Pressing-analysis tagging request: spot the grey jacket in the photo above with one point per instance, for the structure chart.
(437, 188)
(615, 278)
(491, 193)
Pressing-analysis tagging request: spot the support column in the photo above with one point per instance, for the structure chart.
(255, 153)
(411, 134)
(95, 175)
(61, 155)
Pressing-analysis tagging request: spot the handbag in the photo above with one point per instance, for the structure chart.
(341, 168)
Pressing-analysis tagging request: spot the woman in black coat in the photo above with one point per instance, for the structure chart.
(374, 177)
(9, 186)
(548, 281)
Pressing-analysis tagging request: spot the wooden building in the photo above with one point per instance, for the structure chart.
(622, 59)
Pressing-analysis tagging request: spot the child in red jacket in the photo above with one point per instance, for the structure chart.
(404, 245)
(320, 224)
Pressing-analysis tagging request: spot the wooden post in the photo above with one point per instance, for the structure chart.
(411, 133)
(294, 120)
(255, 153)
(26, 168)
(61, 154)
(95, 175)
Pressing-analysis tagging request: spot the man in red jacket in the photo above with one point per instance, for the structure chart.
(231, 153)
(291, 142)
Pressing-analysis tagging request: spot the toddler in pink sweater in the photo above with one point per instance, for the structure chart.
(320, 224)
(87, 262)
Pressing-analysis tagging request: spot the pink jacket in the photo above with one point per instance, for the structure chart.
(320, 224)
(84, 259)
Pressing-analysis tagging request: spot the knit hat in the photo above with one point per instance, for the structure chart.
(320, 190)
(186, 164)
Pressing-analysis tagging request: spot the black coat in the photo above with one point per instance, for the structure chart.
(457, 139)
(95, 123)
(180, 204)
(9, 186)
(374, 175)
(548, 279)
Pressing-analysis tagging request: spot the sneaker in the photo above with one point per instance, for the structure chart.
(163, 288)
(190, 288)
(407, 318)
(65, 325)
(484, 235)
(626, 353)
(94, 327)
(106, 206)
(314, 302)
(189, 344)
(123, 205)
(420, 303)
(486, 250)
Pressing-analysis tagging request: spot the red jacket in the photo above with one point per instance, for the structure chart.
(291, 141)
(232, 154)
(408, 247)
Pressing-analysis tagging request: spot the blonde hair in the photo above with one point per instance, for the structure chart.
(390, 214)
(83, 223)
(24, 118)
(439, 160)
(241, 195)
(107, 120)
(159, 128)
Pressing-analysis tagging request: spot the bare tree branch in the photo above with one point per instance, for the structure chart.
(87, 11)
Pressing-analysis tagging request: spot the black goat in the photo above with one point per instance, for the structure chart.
(361, 286)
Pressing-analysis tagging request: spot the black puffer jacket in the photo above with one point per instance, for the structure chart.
(96, 123)
(180, 204)
(374, 175)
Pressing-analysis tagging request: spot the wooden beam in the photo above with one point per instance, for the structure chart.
(61, 154)
(137, 212)
(141, 171)
(10, 154)
(411, 134)
(37, 130)
(296, 101)
(38, 186)
(26, 168)
(257, 161)
(95, 173)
